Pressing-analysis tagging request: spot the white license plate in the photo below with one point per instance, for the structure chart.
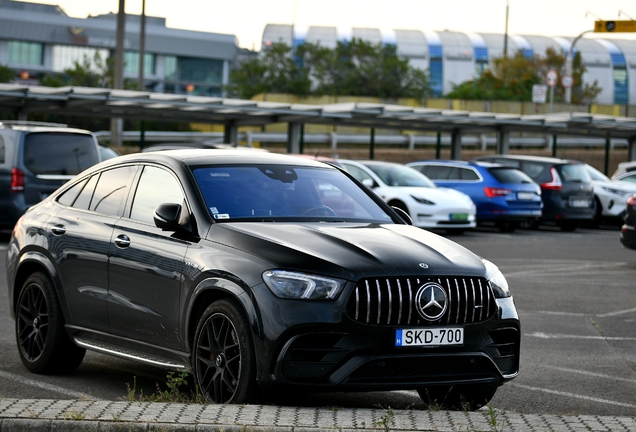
(579, 203)
(429, 336)
(525, 195)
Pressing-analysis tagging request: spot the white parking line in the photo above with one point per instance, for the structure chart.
(564, 336)
(45, 386)
(622, 312)
(573, 395)
(591, 374)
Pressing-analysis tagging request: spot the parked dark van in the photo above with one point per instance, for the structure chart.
(566, 187)
(35, 160)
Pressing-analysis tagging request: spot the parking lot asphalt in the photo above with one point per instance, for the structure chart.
(86, 415)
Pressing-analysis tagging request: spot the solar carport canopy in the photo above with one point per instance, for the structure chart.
(100, 102)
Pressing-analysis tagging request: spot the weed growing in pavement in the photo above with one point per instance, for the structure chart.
(387, 420)
(174, 382)
(74, 415)
(494, 421)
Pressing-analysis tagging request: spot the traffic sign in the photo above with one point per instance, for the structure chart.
(567, 81)
(551, 78)
(539, 93)
(624, 26)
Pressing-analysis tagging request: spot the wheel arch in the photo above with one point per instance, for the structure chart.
(207, 292)
(32, 262)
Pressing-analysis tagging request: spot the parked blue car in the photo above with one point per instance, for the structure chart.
(504, 196)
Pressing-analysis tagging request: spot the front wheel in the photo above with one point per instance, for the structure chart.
(223, 357)
(43, 343)
(568, 225)
(460, 398)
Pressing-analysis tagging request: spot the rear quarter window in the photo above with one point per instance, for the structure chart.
(59, 153)
(573, 173)
(509, 175)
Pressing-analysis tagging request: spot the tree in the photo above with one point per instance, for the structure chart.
(355, 68)
(512, 79)
(96, 73)
(7, 74)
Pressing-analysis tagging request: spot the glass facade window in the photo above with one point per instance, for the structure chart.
(170, 67)
(436, 69)
(621, 85)
(21, 52)
(65, 56)
(481, 60)
(201, 70)
(131, 63)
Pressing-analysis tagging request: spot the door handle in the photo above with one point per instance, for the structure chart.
(58, 229)
(122, 240)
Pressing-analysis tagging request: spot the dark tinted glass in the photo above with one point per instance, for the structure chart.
(84, 198)
(574, 173)
(112, 188)
(156, 186)
(68, 197)
(56, 153)
(2, 150)
(509, 175)
(468, 174)
(438, 172)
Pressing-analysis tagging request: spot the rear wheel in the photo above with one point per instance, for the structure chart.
(223, 358)
(568, 225)
(43, 344)
(460, 398)
(507, 226)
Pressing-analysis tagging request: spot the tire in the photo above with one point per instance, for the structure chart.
(507, 227)
(529, 224)
(43, 344)
(223, 358)
(459, 398)
(568, 225)
(455, 231)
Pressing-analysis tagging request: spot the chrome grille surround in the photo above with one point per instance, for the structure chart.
(391, 301)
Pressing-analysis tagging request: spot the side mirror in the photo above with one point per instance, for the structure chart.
(167, 216)
(403, 215)
(369, 183)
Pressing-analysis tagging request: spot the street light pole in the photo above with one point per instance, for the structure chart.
(568, 65)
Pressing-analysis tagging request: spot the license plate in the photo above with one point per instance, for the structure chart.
(429, 336)
(579, 203)
(525, 195)
(458, 216)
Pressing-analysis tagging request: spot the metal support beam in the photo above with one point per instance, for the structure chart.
(456, 145)
(230, 133)
(293, 138)
(503, 142)
(631, 148)
(608, 144)
(438, 146)
(372, 145)
(554, 145)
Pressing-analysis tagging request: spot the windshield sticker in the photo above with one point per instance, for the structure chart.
(222, 216)
(213, 210)
(219, 174)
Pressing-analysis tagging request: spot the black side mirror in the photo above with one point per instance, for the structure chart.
(403, 215)
(167, 216)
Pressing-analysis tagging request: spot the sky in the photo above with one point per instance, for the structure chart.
(246, 19)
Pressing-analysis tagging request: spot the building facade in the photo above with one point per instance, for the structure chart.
(36, 39)
(453, 57)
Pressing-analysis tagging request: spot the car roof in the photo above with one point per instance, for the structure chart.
(472, 163)
(202, 157)
(545, 159)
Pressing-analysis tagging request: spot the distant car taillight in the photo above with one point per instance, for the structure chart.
(492, 192)
(555, 184)
(17, 180)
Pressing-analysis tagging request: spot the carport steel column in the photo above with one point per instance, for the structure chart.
(293, 138)
(456, 145)
(230, 134)
(503, 142)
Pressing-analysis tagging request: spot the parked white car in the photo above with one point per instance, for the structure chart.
(403, 187)
(624, 168)
(610, 195)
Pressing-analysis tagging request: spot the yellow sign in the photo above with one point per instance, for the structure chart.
(624, 26)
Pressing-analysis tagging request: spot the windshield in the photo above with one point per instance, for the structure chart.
(596, 174)
(398, 175)
(509, 175)
(574, 173)
(280, 192)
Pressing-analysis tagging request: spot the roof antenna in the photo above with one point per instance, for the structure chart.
(621, 12)
(594, 15)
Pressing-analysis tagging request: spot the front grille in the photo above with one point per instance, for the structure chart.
(391, 301)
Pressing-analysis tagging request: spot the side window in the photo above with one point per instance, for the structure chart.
(468, 174)
(111, 190)
(359, 174)
(84, 198)
(438, 172)
(156, 186)
(2, 151)
(68, 196)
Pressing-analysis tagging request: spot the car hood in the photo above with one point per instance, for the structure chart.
(350, 251)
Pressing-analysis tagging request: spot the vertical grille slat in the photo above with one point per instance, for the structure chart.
(470, 300)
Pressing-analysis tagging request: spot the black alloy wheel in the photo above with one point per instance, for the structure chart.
(44, 346)
(223, 355)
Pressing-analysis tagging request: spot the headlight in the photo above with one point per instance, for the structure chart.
(497, 280)
(614, 191)
(422, 200)
(291, 285)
